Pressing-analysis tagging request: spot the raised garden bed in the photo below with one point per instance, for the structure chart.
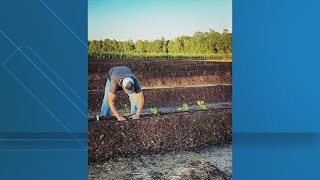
(178, 131)
(168, 96)
(167, 110)
(179, 73)
(160, 69)
(97, 82)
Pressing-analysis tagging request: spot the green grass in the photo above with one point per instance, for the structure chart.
(222, 57)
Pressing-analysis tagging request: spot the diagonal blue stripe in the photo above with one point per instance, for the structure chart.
(44, 75)
(48, 67)
(3, 64)
(55, 73)
(10, 56)
(44, 107)
(63, 23)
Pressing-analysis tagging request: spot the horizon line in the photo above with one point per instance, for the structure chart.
(230, 31)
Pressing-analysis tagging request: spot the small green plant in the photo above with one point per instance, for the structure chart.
(126, 111)
(154, 111)
(202, 105)
(184, 107)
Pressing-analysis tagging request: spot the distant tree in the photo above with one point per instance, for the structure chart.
(171, 47)
(225, 43)
(210, 42)
(140, 46)
(92, 46)
(156, 46)
(127, 46)
(165, 47)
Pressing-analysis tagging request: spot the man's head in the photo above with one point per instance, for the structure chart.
(128, 85)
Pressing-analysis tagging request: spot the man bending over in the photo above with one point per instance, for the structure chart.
(118, 79)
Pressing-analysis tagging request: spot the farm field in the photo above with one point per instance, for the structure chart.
(214, 162)
(182, 135)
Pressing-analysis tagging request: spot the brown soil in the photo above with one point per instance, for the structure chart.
(212, 162)
(97, 82)
(160, 69)
(168, 96)
(175, 144)
(157, 134)
(168, 109)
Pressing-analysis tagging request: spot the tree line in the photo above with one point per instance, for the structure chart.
(204, 43)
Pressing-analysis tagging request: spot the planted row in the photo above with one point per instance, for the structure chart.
(108, 55)
(154, 110)
(185, 107)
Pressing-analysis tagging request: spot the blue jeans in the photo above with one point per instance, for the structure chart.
(105, 109)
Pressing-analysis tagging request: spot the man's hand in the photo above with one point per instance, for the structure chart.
(121, 118)
(136, 116)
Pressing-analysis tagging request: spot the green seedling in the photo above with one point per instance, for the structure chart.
(154, 111)
(202, 105)
(126, 112)
(184, 107)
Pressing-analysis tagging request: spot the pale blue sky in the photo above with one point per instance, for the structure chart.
(153, 19)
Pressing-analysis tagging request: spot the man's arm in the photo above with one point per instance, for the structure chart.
(111, 99)
(140, 99)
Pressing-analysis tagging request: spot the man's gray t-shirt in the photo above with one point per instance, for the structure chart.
(117, 74)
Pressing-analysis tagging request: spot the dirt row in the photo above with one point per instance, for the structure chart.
(212, 162)
(98, 82)
(165, 110)
(160, 67)
(160, 97)
(157, 134)
(179, 73)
